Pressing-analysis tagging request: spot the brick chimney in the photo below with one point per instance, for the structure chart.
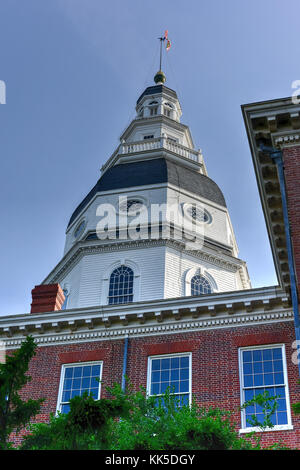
(47, 298)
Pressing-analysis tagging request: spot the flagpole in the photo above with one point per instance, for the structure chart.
(161, 41)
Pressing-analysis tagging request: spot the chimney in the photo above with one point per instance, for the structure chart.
(47, 298)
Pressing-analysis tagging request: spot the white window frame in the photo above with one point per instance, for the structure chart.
(281, 427)
(62, 377)
(106, 279)
(200, 272)
(166, 356)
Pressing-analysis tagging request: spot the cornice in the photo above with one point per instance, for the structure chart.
(86, 335)
(275, 123)
(159, 118)
(90, 247)
(223, 310)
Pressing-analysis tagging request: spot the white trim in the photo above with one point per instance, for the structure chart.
(245, 429)
(165, 356)
(283, 427)
(105, 333)
(62, 376)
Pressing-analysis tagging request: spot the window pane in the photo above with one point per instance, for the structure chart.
(77, 371)
(121, 285)
(95, 370)
(175, 362)
(174, 387)
(69, 372)
(154, 389)
(248, 368)
(258, 379)
(156, 364)
(277, 353)
(65, 408)
(86, 371)
(248, 380)
(85, 379)
(75, 393)
(282, 418)
(268, 379)
(257, 355)
(267, 366)
(279, 378)
(278, 367)
(257, 367)
(94, 393)
(170, 373)
(68, 384)
(184, 386)
(66, 396)
(175, 374)
(165, 364)
(184, 361)
(267, 354)
(184, 400)
(247, 356)
(184, 374)
(165, 375)
(249, 394)
(76, 383)
(200, 285)
(85, 382)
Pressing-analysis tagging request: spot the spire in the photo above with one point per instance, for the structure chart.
(160, 77)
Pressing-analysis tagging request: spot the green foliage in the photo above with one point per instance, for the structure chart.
(131, 421)
(296, 406)
(86, 426)
(14, 412)
(166, 426)
(268, 405)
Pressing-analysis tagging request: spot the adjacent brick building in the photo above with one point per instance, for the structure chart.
(161, 296)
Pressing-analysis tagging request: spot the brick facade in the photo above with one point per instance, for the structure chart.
(215, 366)
(291, 159)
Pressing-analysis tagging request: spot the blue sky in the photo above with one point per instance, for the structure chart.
(73, 71)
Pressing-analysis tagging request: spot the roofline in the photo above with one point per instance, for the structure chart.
(221, 310)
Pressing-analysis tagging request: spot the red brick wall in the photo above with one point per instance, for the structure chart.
(291, 159)
(47, 298)
(215, 368)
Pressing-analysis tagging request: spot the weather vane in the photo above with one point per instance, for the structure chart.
(168, 45)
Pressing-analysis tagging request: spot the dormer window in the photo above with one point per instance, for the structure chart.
(150, 136)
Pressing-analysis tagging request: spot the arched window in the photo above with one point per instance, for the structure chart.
(121, 286)
(200, 285)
